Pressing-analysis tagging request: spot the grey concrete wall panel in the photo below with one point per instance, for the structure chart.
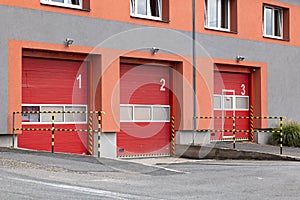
(108, 145)
(3, 84)
(294, 2)
(40, 26)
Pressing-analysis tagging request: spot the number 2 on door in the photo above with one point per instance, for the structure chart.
(79, 80)
(163, 84)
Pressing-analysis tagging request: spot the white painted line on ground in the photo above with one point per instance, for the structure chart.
(103, 193)
(160, 167)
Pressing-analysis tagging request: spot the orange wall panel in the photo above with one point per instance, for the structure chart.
(250, 16)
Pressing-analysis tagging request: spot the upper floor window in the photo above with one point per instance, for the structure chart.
(276, 22)
(217, 14)
(151, 9)
(64, 3)
(273, 22)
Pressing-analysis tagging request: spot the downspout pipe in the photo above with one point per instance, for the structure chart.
(194, 67)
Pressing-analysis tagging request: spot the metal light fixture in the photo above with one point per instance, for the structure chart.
(68, 42)
(240, 58)
(154, 50)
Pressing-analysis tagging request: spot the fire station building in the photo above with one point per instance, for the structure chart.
(154, 67)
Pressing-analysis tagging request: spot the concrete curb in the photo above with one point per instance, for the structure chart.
(204, 152)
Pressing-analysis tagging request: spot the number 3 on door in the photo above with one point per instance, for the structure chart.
(243, 92)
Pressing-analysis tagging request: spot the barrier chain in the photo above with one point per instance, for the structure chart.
(251, 131)
(53, 129)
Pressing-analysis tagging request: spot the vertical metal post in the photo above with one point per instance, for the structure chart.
(173, 136)
(52, 131)
(99, 132)
(13, 130)
(91, 133)
(194, 69)
(281, 134)
(233, 131)
(251, 123)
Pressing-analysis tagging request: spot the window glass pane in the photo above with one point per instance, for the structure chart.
(30, 117)
(278, 22)
(47, 117)
(161, 113)
(224, 14)
(126, 113)
(59, 1)
(268, 21)
(142, 7)
(228, 102)
(132, 6)
(74, 2)
(213, 13)
(64, 2)
(142, 113)
(76, 117)
(242, 103)
(154, 8)
(217, 102)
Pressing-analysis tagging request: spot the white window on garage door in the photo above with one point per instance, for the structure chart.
(144, 113)
(242, 102)
(78, 114)
(231, 102)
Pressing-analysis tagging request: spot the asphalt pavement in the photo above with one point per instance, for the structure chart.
(40, 175)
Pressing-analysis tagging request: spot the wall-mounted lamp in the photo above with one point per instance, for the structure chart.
(154, 50)
(240, 58)
(68, 42)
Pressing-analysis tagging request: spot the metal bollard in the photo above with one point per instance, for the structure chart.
(233, 131)
(281, 134)
(52, 131)
(99, 132)
(173, 136)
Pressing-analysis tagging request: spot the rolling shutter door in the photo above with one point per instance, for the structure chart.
(231, 98)
(145, 111)
(54, 85)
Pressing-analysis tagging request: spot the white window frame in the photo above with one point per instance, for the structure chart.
(64, 115)
(64, 4)
(273, 22)
(133, 106)
(219, 20)
(134, 10)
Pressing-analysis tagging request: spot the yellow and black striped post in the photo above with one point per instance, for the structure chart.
(91, 134)
(99, 132)
(233, 131)
(173, 136)
(281, 134)
(251, 123)
(52, 131)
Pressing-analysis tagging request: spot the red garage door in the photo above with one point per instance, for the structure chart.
(54, 85)
(144, 111)
(231, 98)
